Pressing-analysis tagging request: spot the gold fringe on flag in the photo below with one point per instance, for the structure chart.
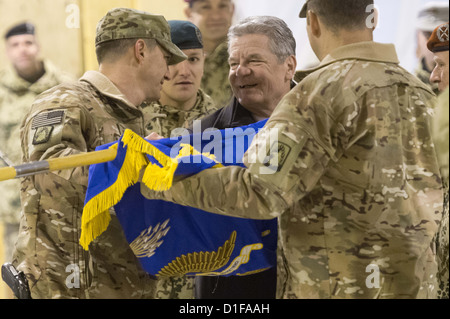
(96, 217)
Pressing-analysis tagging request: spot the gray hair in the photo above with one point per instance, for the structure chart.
(281, 39)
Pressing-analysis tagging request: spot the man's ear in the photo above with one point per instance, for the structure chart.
(291, 64)
(139, 50)
(233, 8)
(314, 23)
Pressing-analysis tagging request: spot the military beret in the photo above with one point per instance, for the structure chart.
(124, 23)
(439, 39)
(185, 35)
(23, 28)
(431, 15)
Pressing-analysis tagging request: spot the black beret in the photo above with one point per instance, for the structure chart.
(23, 28)
(185, 35)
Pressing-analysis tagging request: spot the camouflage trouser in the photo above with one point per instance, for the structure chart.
(9, 239)
(175, 288)
(442, 252)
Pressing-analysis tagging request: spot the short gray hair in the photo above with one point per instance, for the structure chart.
(281, 39)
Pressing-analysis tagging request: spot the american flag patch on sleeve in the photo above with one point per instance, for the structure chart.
(48, 119)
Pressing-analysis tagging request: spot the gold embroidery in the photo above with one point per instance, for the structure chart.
(200, 262)
(148, 241)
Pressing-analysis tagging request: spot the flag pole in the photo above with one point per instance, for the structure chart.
(57, 164)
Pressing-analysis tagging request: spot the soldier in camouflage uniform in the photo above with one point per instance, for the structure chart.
(214, 18)
(182, 101)
(441, 133)
(430, 16)
(134, 49)
(20, 82)
(353, 175)
(438, 44)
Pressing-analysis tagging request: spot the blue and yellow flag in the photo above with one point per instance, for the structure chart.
(169, 239)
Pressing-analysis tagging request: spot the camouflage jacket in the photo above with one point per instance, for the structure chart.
(440, 135)
(165, 119)
(16, 97)
(347, 165)
(215, 80)
(67, 120)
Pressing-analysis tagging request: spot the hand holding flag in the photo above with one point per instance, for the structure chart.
(170, 239)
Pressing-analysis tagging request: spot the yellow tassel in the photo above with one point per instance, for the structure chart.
(96, 218)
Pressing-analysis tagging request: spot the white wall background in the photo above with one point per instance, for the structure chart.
(396, 25)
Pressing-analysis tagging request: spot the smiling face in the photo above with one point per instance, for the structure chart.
(185, 79)
(258, 79)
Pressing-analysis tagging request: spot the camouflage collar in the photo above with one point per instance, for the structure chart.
(368, 51)
(13, 82)
(104, 85)
(220, 52)
(199, 105)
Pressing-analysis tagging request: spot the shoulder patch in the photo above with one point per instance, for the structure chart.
(42, 135)
(48, 119)
(277, 156)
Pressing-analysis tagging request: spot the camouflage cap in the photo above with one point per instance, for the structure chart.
(439, 39)
(125, 23)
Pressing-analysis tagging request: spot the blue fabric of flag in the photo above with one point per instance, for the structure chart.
(171, 240)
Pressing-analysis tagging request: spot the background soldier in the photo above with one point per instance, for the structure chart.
(134, 50)
(214, 18)
(27, 76)
(357, 185)
(430, 16)
(182, 101)
(438, 44)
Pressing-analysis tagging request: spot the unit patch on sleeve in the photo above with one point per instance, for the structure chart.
(44, 125)
(277, 156)
(42, 135)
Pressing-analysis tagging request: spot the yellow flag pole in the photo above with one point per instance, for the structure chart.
(57, 164)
